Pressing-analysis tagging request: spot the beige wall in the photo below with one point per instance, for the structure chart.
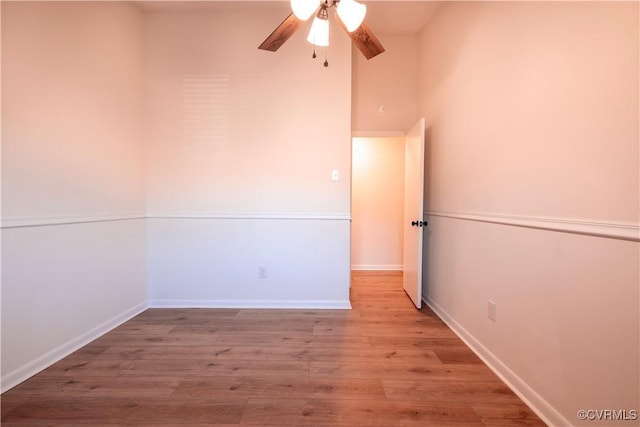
(390, 80)
(532, 116)
(71, 122)
(377, 203)
(234, 129)
(519, 103)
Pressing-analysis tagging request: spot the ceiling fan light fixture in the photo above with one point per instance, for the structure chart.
(303, 9)
(351, 13)
(319, 34)
(359, 33)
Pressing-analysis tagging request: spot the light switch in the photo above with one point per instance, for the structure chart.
(335, 175)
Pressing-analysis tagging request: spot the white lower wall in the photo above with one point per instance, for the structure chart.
(65, 285)
(567, 332)
(214, 262)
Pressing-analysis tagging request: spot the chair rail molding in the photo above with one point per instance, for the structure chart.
(33, 221)
(25, 222)
(254, 216)
(606, 229)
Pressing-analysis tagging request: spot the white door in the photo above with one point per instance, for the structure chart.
(413, 211)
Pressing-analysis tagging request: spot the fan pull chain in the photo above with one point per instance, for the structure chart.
(315, 55)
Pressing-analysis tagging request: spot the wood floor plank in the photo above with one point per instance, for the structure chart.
(314, 412)
(390, 370)
(456, 355)
(453, 390)
(424, 342)
(11, 401)
(280, 388)
(288, 340)
(493, 412)
(356, 354)
(111, 339)
(89, 410)
(254, 368)
(182, 316)
(240, 328)
(88, 352)
(383, 363)
(100, 386)
(502, 422)
(201, 352)
(79, 368)
(408, 331)
(142, 328)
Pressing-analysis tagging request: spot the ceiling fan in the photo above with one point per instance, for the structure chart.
(349, 16)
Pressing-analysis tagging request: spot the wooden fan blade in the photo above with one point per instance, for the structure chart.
(282, 33)
(364, 39)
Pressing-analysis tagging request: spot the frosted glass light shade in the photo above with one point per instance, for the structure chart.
(351, 13)
(303, 9)
(319, 34)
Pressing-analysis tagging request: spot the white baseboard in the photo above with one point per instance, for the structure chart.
(287, 304)
(547, 413)
(25, 372)
(376, 267)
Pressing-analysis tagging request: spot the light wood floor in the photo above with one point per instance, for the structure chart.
(383, 363)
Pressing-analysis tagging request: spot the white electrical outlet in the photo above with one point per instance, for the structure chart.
(262, 272)
(491, 310)
(335, 175)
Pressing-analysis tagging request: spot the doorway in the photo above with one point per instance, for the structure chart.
(387, 206)
(377, 203)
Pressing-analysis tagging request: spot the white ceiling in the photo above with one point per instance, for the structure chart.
(383, 16)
